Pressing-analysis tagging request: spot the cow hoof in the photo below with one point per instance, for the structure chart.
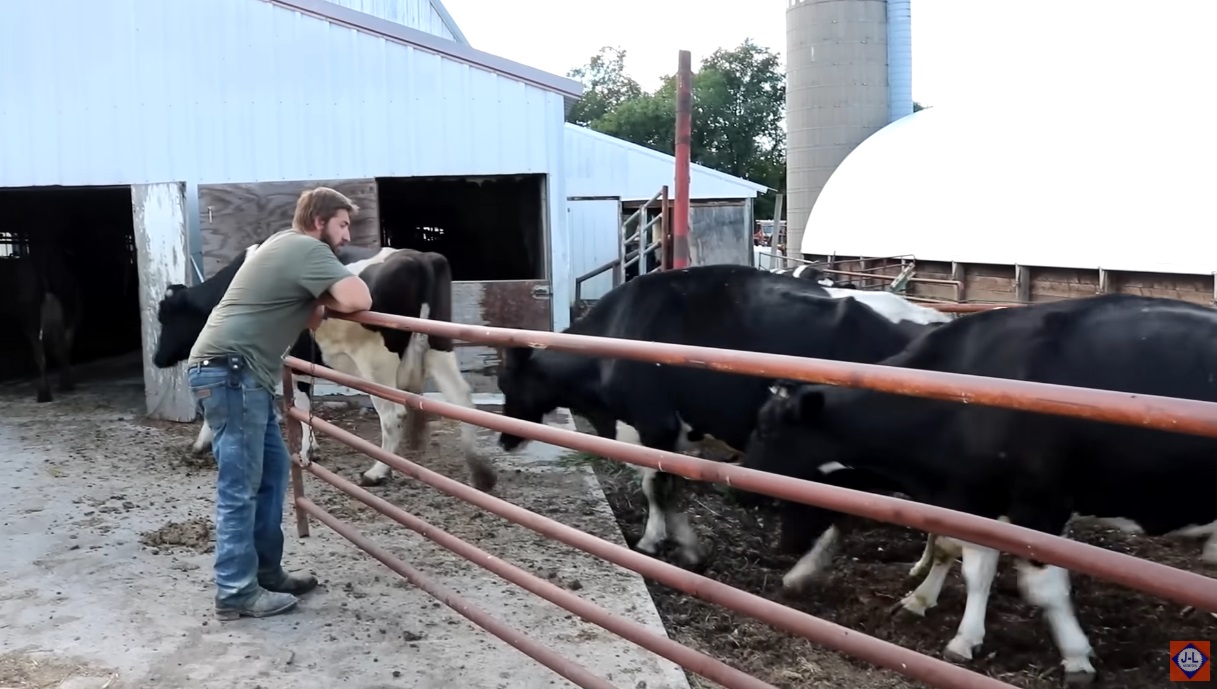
(368, 481)
(1079, 678)
(484, 479)
(43, 396)
(959, 651)
(648, 547)
(911, 604)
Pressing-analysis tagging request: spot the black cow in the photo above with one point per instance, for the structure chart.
(815, 274)
(666, 407)
(1034, 470)
(403, 282)
(48, 300)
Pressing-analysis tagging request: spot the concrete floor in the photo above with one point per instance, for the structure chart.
(83, 605)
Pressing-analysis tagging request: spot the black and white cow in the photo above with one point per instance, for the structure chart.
(1034, 470)
(48, 300)
(668, 407)
(403, 282)
(814, 273)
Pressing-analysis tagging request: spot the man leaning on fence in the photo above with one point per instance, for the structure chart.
(233, 368)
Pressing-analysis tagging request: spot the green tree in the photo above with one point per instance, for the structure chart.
(606, 86)
(739, 102)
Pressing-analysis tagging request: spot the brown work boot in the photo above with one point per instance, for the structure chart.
(261, 603)
(282, 582)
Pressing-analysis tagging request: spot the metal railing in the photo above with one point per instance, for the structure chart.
(628, 257)
(1146, 411)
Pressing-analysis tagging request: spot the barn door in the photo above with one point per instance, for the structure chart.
(524, 304)
(594, 227)
(233, 216)
(720, 232)
(159, 218)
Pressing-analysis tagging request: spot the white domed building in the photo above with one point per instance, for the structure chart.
(1029, 204)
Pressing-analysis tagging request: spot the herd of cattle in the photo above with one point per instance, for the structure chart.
(1034, 470)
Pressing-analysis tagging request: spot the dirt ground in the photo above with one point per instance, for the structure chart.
(1128, 630)
(108, 540)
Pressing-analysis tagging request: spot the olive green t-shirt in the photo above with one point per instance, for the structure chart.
(269, 302)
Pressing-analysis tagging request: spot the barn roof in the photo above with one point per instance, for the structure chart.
(598, 164)
(435, 44)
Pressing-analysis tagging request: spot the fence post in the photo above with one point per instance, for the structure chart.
(294, 435)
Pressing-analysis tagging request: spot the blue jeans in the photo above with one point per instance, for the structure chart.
(251, 485)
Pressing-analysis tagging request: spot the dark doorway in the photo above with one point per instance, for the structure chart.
(489, 228)
(92, 229)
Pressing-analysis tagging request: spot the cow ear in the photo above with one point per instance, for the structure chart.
(808, 406)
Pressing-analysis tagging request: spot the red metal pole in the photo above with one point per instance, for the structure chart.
(684, 138)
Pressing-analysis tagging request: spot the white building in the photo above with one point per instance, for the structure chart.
(208, 117)
(608, 178)
(243, 103)
(1030, 204)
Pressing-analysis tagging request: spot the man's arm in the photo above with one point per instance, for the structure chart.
(347, 295)
(331, 283)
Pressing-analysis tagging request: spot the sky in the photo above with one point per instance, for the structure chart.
(972, 52)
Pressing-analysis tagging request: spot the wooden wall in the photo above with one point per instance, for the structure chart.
(1031, 284)
(720, 232)
(233, 216)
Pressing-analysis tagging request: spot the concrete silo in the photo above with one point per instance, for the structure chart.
(838, 89)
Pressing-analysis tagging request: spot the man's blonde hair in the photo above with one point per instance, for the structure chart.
(321, 204)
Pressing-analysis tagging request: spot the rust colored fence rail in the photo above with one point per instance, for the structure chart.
(1186, 416)
(882, 653)
(1148, 411)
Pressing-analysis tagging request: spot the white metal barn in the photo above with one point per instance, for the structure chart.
(606, 176)
(224, 110)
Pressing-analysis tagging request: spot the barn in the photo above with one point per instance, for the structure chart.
(608, 179)
(1026, 205)
(153, 140)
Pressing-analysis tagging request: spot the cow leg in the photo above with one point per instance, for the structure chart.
(979, 570)
(67, 382)
(655, 533)
(44, 387)
(387, 369)
(1047, 587)
(925, 596)
(813, 562)
(392, 424)
(922, 566)
(303, 401)
(443, 367)
(1039, 506)
(202, 443)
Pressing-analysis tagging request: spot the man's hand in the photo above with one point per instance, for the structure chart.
(318, 315)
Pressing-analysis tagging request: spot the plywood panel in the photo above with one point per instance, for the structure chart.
(522, 304)
(720, 233)
(233, 216)
(159, 215)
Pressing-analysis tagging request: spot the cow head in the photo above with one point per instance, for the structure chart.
(528, 394)
(181, 322)
(791, 438)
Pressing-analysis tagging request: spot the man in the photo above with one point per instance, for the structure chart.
(233, 368)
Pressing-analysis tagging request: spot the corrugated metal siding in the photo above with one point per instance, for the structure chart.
(595, 240)
(416, 14)
(602, 165)
(139, 91)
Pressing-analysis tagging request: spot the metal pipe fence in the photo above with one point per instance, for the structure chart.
(882, 653)
(1185, 416)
